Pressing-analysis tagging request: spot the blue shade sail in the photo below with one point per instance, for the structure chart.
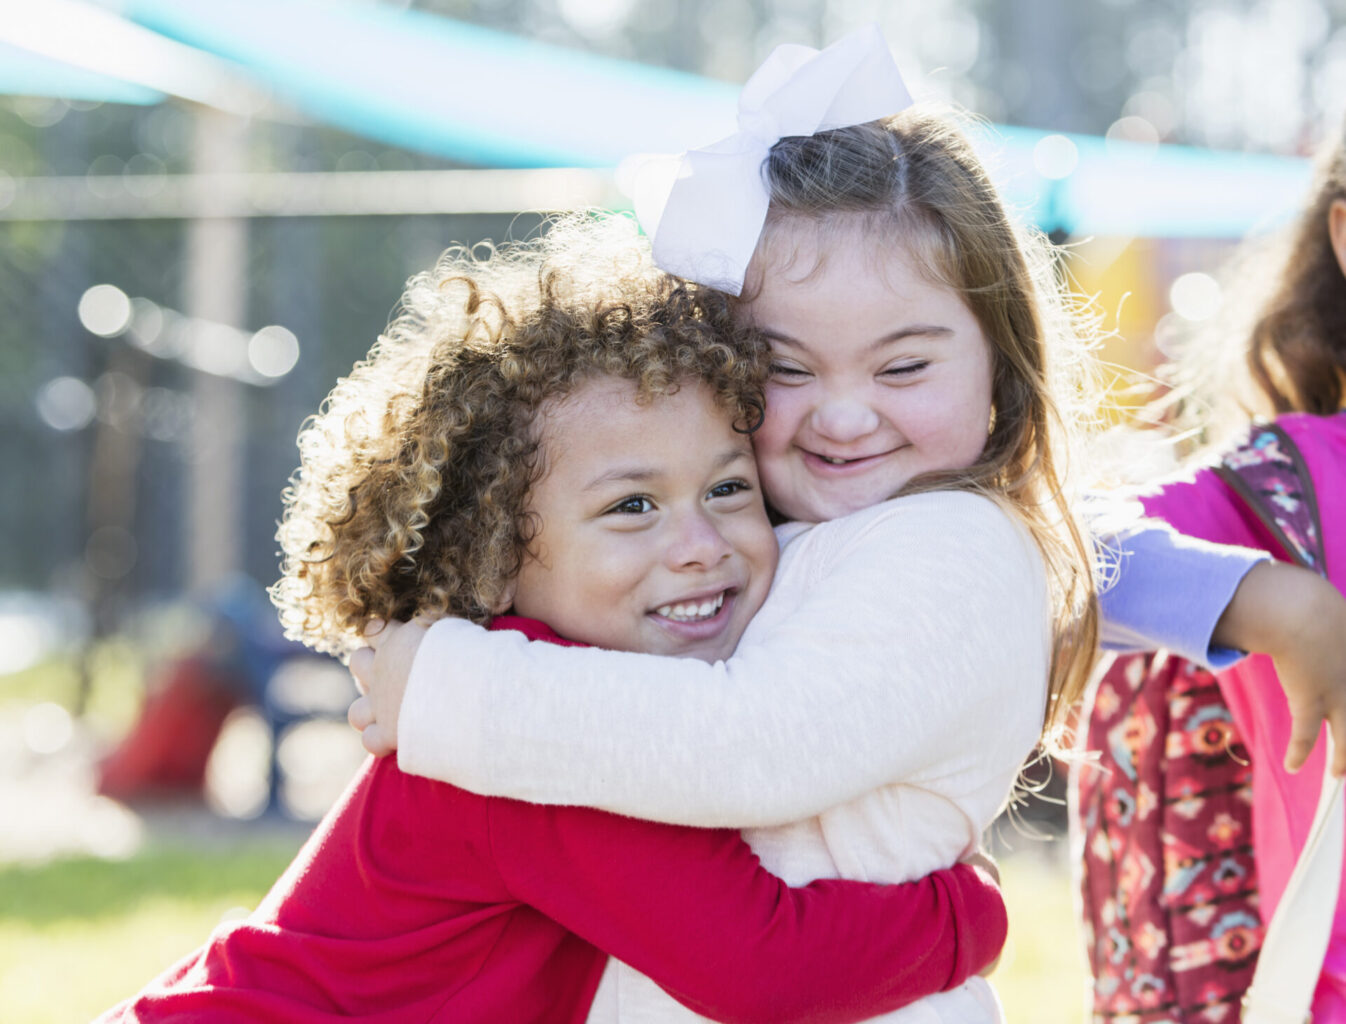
(481, 97)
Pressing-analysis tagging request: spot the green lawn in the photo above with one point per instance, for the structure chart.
(1042, 975)
(77, 935)
(118, 923)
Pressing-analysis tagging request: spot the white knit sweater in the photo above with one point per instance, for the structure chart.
(869, 726)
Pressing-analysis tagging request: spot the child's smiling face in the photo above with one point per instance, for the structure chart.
(878, 375)
(652, 533)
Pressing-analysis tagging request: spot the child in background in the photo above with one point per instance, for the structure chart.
(914, 649)
(559, 430)
(1293, 359)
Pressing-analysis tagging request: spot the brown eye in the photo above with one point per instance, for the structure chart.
(635, 505)
(728, 489)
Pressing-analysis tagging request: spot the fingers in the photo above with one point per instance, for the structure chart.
(1305, 724)
(377, 741)
(375, 633)
(361, 668)
(361, 713)
(1336, 720)
(984, 863)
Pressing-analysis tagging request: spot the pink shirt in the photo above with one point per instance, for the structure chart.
(1283, 804)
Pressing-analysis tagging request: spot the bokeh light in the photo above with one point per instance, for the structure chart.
(273, 351)
(47, 728)
(147, 325)
(105, 310)
(1133, 129)
(1055, 157)
(1195, 296)
(238, 772)
(215, 348)
(66, 403)
(595, 18)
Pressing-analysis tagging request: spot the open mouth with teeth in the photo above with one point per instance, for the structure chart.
(836, 460)
(693, 611)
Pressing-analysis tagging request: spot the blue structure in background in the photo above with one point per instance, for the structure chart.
(486, 98)
(29, 74)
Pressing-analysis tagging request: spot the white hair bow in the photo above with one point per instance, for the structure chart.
(704, 209)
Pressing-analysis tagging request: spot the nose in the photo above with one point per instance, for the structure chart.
(844, 418)
(696, 541)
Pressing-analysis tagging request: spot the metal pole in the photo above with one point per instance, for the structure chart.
(216, 282)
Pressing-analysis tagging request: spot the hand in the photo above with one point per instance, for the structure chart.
(1299, 619)
(382, 671)
(983, 863)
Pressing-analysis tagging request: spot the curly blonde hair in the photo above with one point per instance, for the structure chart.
(412, 492)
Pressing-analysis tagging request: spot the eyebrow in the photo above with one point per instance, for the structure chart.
(642, 474)
(911, 330)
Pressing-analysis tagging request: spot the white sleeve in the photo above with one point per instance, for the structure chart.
(922, 633)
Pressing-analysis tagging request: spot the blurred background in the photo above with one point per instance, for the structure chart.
(207, 212)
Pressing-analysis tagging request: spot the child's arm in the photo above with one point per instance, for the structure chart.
(919, 645)
(1161, 588)
(1211, 603)
(1290, 613)
(1298, 618)
(695, 911)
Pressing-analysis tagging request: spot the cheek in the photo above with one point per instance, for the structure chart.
(769, 449)
(780, 422)
(949, 428)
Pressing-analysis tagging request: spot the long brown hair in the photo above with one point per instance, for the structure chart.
(915, 179)
(1297, 346)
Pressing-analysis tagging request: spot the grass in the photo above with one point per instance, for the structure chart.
(115, 684)
(1042, 977)
(79, 934)
(119, 923)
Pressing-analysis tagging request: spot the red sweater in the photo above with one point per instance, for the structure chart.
(418, 901)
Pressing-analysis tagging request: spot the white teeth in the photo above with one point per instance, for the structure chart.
(692, 612)
(835, 462)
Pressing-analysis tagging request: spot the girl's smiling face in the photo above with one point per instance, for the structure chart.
(879, 374)
(652, 532)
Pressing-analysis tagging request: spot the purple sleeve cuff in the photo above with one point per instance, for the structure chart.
(1164, 589)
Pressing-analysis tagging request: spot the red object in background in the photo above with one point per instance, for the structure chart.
(165, 753)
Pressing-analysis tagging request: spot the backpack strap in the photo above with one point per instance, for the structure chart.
(1269, 473)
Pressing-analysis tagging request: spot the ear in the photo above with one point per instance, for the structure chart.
(506, 598)
(1336, 231)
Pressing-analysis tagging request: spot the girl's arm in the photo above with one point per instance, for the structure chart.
(1161, 588)
(1282, 610)
(695, 911)
(911, 641)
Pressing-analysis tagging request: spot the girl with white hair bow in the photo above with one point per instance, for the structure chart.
(934, 613)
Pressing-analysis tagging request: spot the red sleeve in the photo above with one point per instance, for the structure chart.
(695, 911)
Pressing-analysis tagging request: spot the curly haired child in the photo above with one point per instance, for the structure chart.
(561, 431)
